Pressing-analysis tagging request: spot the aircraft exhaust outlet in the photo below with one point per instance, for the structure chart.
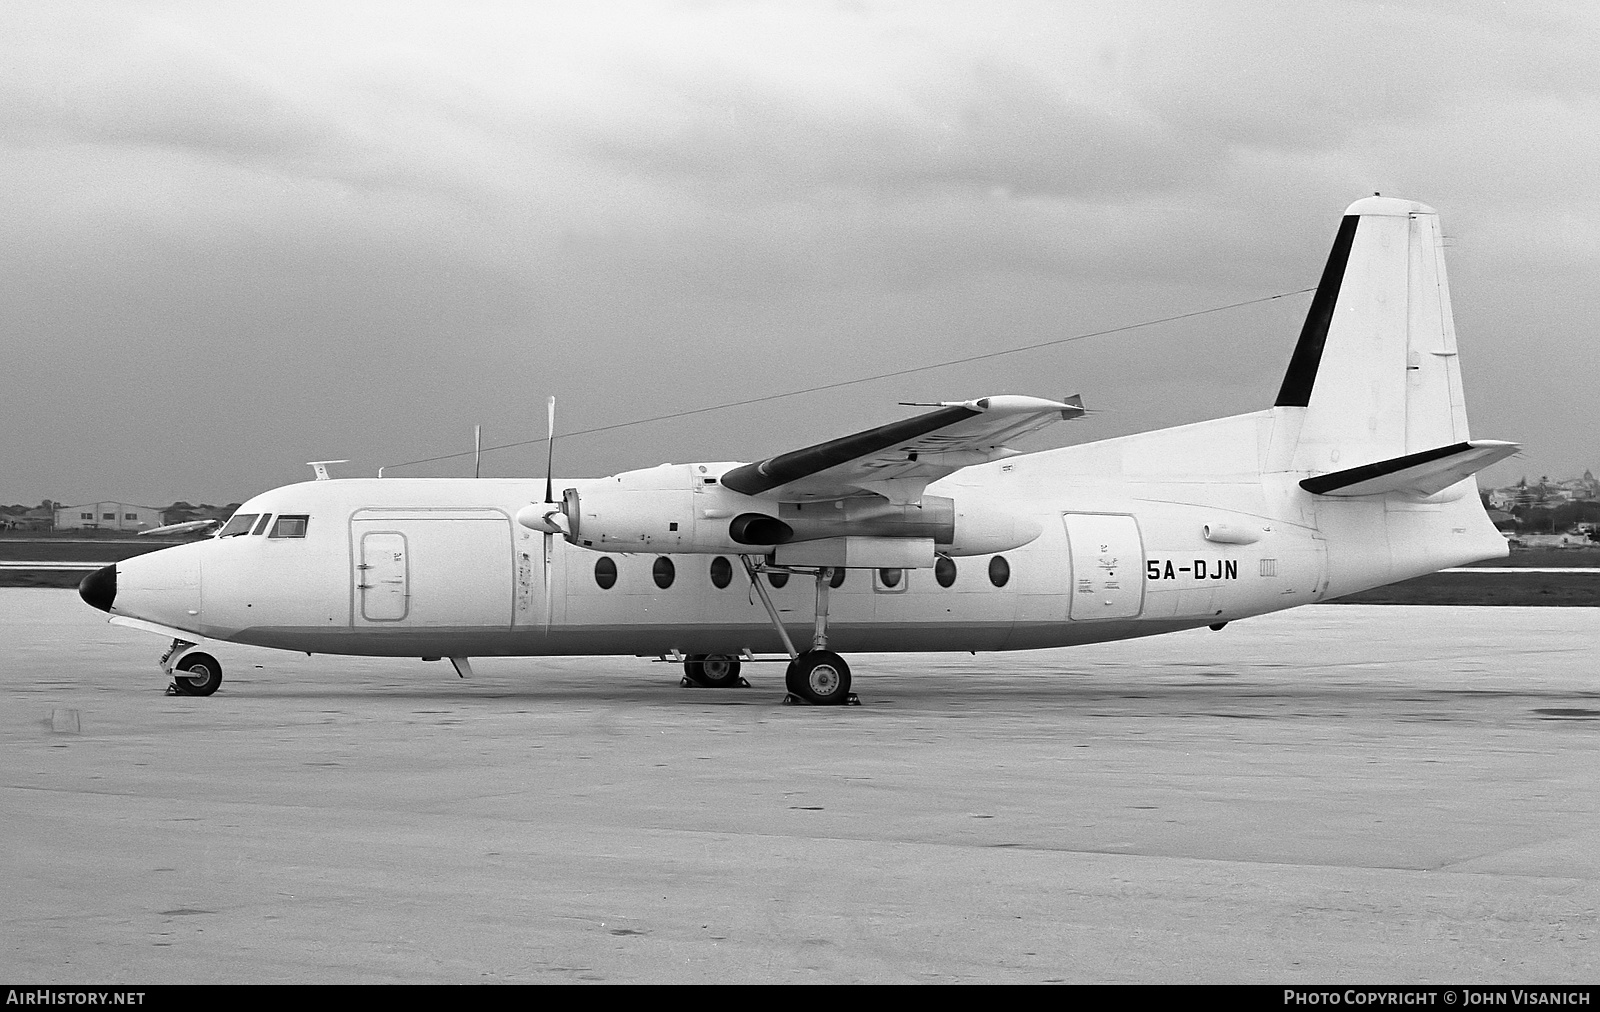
(759, 529)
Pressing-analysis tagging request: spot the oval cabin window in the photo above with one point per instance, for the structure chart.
(999, 571)
(944, 571)
(838, 578)
(663, 572)
(605, 572)
(721, 572)
(777, 579)
(890, 577)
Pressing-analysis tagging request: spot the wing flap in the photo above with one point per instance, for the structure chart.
(1420, 474)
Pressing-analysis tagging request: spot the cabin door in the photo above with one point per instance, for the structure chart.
(1107, 566)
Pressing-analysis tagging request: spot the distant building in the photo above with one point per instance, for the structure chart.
(107, 516)
(1545, 493)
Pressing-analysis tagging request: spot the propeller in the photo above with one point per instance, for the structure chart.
(549, 517)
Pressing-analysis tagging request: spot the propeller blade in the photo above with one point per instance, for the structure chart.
(550, 455)
(549, 591)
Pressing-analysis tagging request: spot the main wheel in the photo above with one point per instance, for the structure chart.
(197, 675)
(820, 677)
(713, 671)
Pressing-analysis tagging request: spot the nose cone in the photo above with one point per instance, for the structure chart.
(99, 588)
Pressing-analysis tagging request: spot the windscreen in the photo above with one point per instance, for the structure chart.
(240, 524)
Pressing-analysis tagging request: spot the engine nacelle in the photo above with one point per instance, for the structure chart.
(668, 509)
(683, 508)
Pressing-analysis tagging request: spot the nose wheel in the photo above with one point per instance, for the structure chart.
(196, 674)
(193, 674)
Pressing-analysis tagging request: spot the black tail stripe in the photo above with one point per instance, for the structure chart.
(1302, 374)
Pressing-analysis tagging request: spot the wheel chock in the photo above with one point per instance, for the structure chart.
(686, 683)
(790, 699)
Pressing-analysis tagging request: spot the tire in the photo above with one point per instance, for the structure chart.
(712, 671)
(197, 675)
(820, 677)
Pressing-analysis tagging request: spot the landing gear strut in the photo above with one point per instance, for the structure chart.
(817, 676)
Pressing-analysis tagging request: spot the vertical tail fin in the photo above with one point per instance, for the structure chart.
(1375, 374)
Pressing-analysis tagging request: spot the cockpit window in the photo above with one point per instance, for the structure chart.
(290, 526)
(261, 526)
(240, 524)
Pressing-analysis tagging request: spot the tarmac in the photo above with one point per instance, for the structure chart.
(1333, 794)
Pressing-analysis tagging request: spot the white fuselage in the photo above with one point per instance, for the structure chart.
(440, 567)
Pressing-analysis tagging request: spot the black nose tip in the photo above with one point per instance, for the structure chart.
(99, 588)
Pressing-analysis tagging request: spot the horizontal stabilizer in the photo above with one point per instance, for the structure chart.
(1420, 474)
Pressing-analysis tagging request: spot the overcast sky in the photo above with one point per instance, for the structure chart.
(234, 238)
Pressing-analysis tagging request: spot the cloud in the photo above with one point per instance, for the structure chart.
(396, 217)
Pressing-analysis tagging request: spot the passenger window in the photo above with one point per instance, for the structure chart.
(261, 525)
(605, 572)
(663, 572)
(290, 526)
(777, 578)
(999, 571)
(721, 572)
(944, 571)
(838, 578)
(240, 524)
(891, 578)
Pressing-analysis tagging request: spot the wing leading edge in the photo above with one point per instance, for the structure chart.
(899, 460)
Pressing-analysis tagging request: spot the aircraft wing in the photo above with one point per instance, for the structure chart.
(190, 525)
(899, 460)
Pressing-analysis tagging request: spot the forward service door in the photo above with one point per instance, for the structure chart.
(433, 568)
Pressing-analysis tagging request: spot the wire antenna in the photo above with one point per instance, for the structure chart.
(886, 375)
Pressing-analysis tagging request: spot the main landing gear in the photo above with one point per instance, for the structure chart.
(193, 674)
(713, 671)
(817, 676)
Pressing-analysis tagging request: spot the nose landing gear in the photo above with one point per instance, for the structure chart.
(193, 674)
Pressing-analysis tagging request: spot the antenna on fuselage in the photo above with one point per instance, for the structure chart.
(321, 468)
(477, 447)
